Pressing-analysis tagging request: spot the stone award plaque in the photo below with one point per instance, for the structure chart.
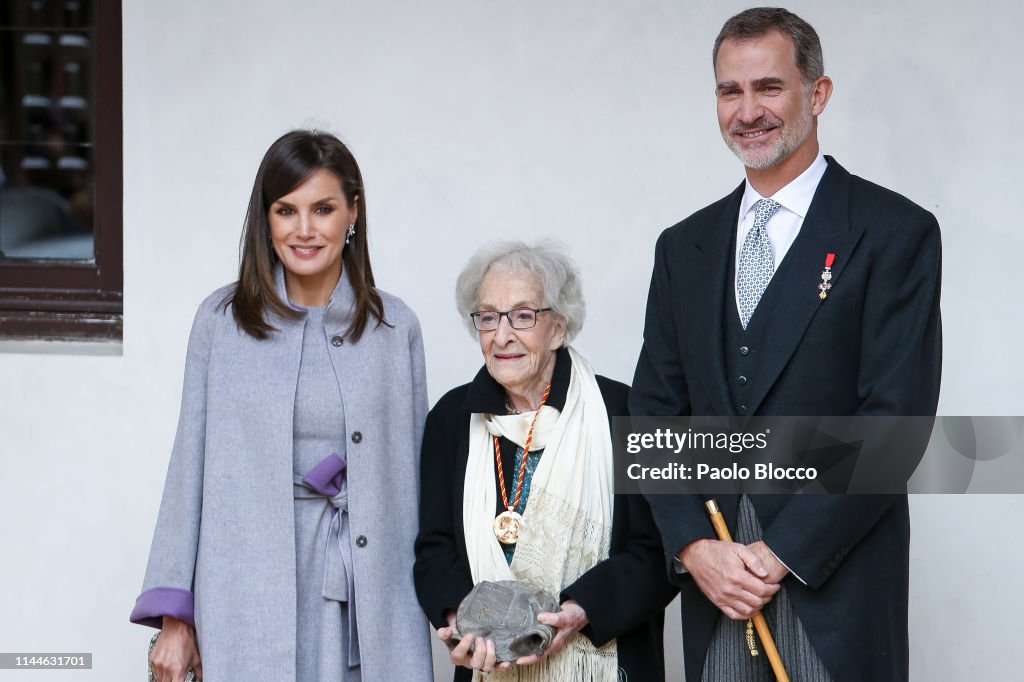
(506, 611)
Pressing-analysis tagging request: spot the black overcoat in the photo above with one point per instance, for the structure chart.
(624, 596)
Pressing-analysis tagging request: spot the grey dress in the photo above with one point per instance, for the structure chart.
(326, 648)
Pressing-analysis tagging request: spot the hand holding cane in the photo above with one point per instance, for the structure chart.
(759, 622)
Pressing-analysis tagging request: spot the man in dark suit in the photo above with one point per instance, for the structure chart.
(743, 320)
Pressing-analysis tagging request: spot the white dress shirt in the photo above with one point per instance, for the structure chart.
(784, 226)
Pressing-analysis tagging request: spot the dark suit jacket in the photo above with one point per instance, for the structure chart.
(873, 347)
(624, 596)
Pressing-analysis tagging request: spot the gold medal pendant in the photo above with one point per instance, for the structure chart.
(506, 527)
(507, 523)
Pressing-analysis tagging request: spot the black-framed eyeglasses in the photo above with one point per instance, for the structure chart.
(520, 318)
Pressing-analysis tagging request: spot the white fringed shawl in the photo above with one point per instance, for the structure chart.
(567, 523)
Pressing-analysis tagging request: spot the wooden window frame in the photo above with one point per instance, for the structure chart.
(81, 300)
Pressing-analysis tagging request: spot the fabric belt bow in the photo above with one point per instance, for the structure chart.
(328, 480)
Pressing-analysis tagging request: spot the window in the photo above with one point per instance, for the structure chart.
(60, 169)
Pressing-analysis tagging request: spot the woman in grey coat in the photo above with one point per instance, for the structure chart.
(283, 548)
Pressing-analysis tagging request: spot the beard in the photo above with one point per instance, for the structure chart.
(768, 154)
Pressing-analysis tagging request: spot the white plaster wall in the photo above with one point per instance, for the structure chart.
(591, 121)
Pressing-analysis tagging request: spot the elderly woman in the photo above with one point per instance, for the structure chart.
(516, 481)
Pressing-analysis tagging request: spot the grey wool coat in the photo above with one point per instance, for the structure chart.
(224, 545)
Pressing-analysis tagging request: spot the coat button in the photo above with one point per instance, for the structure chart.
(337, 341)
(744, 350)
(357, 437)
(743, 409)
(361, 541)
(742, 381)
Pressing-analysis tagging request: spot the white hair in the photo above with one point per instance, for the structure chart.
(546, 261)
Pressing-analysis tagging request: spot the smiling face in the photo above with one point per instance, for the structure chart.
(766, 112)
(307, 230)
(521, 360)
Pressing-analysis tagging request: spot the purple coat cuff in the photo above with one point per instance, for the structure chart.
(152, 605)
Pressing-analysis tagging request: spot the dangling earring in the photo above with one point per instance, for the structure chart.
(350, 233)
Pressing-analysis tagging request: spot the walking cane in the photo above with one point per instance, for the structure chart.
(759, 622)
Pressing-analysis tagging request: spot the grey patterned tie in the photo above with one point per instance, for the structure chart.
(757, 264)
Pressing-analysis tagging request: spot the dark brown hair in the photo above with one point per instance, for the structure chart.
(755, 23)
(286, 165)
